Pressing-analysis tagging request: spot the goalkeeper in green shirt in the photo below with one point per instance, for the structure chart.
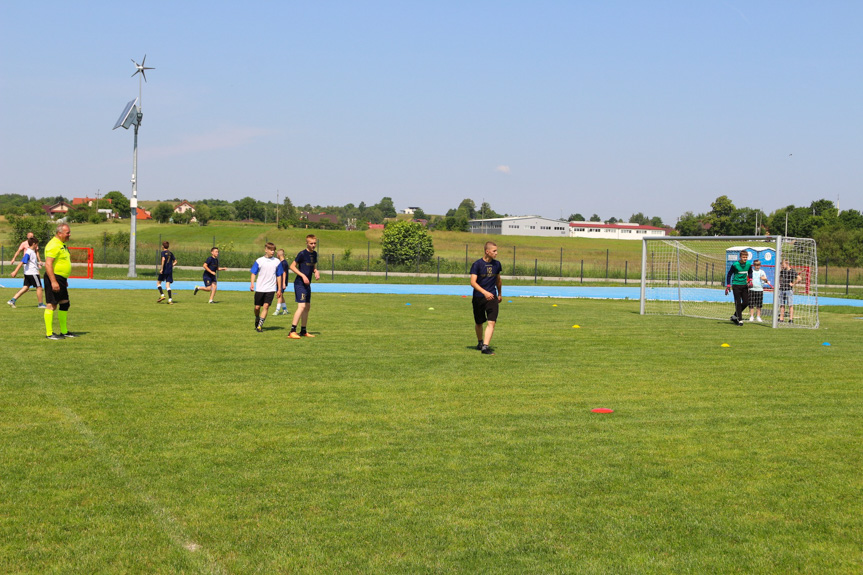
(738, 279)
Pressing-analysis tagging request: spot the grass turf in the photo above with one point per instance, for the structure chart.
(176, 439)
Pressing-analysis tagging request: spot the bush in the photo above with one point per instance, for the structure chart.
(42, 228)
(406, 242)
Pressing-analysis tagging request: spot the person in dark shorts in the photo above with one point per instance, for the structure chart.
(211, 267)
(30, 263)
(166, 273)
(265, 271)
(486, 283)
(756, 291)
(788, 276)
(58, 266)
(738, 279)
(304, 266)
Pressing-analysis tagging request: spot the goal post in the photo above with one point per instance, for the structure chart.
(685, 275)
(82, 262)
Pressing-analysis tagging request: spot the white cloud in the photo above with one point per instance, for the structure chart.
(502, 169)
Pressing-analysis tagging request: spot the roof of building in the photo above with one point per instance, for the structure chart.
(620, 226)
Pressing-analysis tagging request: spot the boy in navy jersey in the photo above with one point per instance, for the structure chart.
(211, 266)
(486, 284)
(304, 266)
(166, 273)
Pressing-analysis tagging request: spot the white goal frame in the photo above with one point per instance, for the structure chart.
(673, 286)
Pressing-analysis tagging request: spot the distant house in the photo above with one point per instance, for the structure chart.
(410, 211)
(520, 226)
(376, 226)
(58, 209)
(184, 207)
(421, 221)
(316, 218)
(142, 214)
(619, 231)
(88, 201)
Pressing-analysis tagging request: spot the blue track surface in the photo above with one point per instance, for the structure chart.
(632, 293)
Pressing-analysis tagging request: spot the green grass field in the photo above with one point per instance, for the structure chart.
(178, 440)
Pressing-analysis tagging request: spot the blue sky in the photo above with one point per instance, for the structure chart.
(548, 108)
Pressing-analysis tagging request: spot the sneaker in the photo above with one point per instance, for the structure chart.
(307, 334)
(259, 329)
(54, 336)
(760, 320)
(161, 298)
(486, 350)
(751, 318)
(69, 334)
(294, 335)
(211, 301)
(734, 319)
(170, 302)
(790, 321)
(42, 306)
(196, 291)
(11, 303)
(739, 324)
(479, 346)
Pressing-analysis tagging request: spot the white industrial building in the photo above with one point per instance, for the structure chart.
(520, 226)
(619, 231)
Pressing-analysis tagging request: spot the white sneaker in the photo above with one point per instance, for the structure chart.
(751, 318)
(759, 320)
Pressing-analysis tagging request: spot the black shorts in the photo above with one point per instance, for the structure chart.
(208, 279)
(264, 297)
(168, 277)
(54, 297)
(32, 281)
(756, 298)
(302, 292)
(485, 309)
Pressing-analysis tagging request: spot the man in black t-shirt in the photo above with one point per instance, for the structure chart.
(486, 284)
(304, 266)
(166, 273)
(211, 267)
(788, 276)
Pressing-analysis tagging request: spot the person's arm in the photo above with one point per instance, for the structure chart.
(49, 270)
(296, 270)
(209, 271)
(475, 285)
(21, 263)
(749, 277)
(499, 289)
(162, 266)
(12, 261)
(255, 270)
(728, 279)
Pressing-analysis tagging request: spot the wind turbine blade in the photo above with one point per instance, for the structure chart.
(144, 60)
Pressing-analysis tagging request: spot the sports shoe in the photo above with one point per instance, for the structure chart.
(760, 320)
(259, 329)
(161, 298)
(196, 291)
(751, 318)
(42, 306)
(790, 321)
(294, 335)
(739, 324)
(734, 319)
(54, 336)
(11, 303)
(170, 302)
(211, 301)
(307, 334)
(486, 350)
(479, 346)
(69, 334)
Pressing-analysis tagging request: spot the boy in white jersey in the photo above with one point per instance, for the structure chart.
(30, 263)
(264, 269)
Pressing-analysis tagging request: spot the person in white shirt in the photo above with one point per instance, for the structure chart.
(30, 263)
(268, 284)
(756, 292)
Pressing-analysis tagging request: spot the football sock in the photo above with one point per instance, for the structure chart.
(49, 321)
(294, 328)
(160, 291)
(303, 330)
(169, 295)
(261, 321)
(61, 315)
(13, 300)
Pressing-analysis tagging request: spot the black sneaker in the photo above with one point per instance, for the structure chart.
(739, 324)
(259, 329)
(734, 319)
(479, 346)
(487, 350)
(790, 321)
(69, 334)
(196, 291)
(54, 336)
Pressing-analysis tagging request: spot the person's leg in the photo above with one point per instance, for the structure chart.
(305, 318)
(791, 313)
(20, 292)
(168, 289)
(213, 287)
(479, 338)
(489, 332)
(264, 309)
(62, 311)
(298, 316)
(49, 319)
(161, 293)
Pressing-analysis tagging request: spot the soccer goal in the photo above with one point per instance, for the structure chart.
(82, 262)
(685, 275)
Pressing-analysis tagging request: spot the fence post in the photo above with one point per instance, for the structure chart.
(535, 266)
(418, 263)
(582, 271)
(561, 263)
(333, 266)
(706, 267)
(2, 260)
(625, 271)
(369, 257)
(826, 270)
(712, 269)
(668, 274)
(606, 264)
(513, 261)
(696, 267)
(847, 279)
(438, 268)
(387, 268)
(465, 258)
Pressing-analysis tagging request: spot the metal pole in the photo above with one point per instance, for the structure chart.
(333, 266)
(847, 279)
(560, 274)
(535, 269)
(368, 256)
(513, 261)
(606, 264)
(438, 268)
(625, 271)
(133, 205)
(643, 273)
(776, 281)
(679, 293)
(582, 271)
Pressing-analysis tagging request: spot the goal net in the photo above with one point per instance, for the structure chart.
(686, 276)
(82, 262)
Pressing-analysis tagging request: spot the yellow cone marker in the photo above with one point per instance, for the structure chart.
(576, 326)
(725, 345)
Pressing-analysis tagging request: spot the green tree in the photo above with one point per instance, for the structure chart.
(42, 228)
(163, 212)
(387, 207)
(248, 208)
(119, 203)
(405, 241)
(203, 214)
(576, 217)
(657, 222)
(288, 211)
(691, 225)
(595, 218)
(639, 219)
(419, 214)
(851, 220)
(468, 206)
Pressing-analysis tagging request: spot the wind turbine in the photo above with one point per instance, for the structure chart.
(131, 116)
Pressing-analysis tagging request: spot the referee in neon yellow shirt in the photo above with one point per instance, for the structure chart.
(58, 266)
